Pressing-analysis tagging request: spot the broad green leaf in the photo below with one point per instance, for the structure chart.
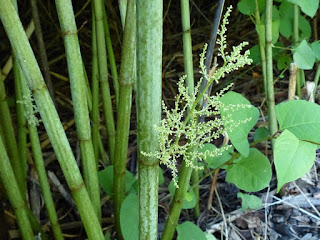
(129, 217)
(285, 27)
(249, 201)
(316, 49)
(209, 236)
(237, 109)
(286, 21)
(304, 27)
(275, 30)
(309, 7)
(190, 199)
(302, 118)
(286, 10)
(261, 133)
(105, 178)
(215, 162)
(255, 54)
(303, 56)
(283, 61)
(292, 158)
(190, 231)
(250, 174)
(247, 7)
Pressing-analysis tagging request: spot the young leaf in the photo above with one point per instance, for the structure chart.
(292, 158)
(215, 162)
(239, 135)
(190, 231)
(302, 118)
(304, 56)
(309, 7)
(249, 201)
(252, 173)
(129, 217)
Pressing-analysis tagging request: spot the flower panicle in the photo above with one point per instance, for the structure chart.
(175, 126)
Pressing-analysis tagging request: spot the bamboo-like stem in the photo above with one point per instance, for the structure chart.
(269, 74)
(95, 90)
(8, 65)
(80, 105)
(188, 67)
(21, 125)
(39, 164)
(12, 189)
(49, 115)
(42, 49)
(149, 76)
(103, 76)
(262, 50)
(112, 60)
(87, 88)
(10, 139)
(126, 79)
(44, 184)
(295, 38)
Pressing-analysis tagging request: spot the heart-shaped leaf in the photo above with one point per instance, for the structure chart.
(292, 158)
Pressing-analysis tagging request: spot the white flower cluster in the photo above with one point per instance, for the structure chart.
(181, 136)
(30, 109)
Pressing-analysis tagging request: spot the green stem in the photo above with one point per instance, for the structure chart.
(103, 75)
(269, 74)
(39, 163)
(179, 196)
(44, 184)
(21, 123)
(261, 48)
(296, 12)
(42, 49)
(12, 189)
(10, 139)
(49, 115)
(95, 91)
(126, 79)
(79, 96)
(188, 66)
(112, 60)
(149, 72)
